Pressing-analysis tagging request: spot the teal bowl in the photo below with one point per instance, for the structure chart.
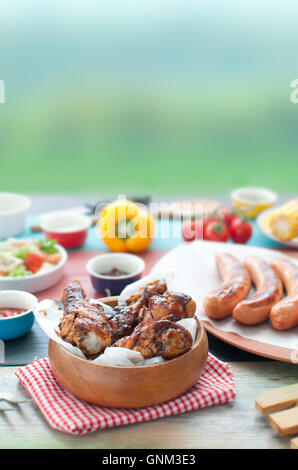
(14, 327)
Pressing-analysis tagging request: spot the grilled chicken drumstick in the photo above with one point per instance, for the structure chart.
(122, 321)
(158, 338)
(156, 301)
(148, 318)
(141, 298)
(171, 306)
(84, 325)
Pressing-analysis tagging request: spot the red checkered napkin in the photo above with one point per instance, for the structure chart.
(67, 413)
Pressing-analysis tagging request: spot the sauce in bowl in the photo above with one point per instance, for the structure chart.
(115, 272)
(7, 312)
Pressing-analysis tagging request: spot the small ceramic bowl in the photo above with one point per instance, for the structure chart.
(14, 327)
(39, 281)
(129, 387)
(70, 230)
(13, 212)
(252, 201)
(104, 283)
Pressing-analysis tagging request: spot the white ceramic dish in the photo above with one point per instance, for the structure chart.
(13, 213)
(37, 282)
(263, 225)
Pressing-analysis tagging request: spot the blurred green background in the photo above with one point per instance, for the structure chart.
(169, 98)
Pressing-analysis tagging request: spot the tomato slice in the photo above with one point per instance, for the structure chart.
(53, 258)
(33, 262)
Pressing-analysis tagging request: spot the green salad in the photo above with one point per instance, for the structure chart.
(22, 258)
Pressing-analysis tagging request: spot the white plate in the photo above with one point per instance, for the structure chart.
(37, 282)
(262, 222)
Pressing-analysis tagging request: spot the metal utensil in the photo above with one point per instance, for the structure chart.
(12, 364)
(12, 392)
(6, 407)
(10, 398)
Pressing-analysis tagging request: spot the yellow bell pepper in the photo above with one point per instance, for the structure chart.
(124, 226)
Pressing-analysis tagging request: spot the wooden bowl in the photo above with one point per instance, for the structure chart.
(129, 387)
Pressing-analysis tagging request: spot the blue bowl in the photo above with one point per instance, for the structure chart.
(14, 327)
(113, 285)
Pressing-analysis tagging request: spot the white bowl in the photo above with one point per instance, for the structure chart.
(13, 212)
(37, 282)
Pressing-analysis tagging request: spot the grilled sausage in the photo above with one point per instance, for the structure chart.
(220, 302)
(269, 291)
(284, 314)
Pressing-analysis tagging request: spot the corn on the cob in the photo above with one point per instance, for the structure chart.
(284, 221)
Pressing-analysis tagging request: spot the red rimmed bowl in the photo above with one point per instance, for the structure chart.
(129, 387)
(70, 230)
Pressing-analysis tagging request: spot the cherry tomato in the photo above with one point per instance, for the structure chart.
(216, 231)
(207, 221)
(240, 231)
(227, 215)
(192, 230)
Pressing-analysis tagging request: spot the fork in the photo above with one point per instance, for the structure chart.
(14, 401)
(9, 404)
(5, 407)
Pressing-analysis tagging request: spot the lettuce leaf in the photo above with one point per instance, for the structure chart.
(48, 245)
(19, 271)
(21, 252)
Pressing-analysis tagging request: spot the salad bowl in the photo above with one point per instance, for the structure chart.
(38, 281)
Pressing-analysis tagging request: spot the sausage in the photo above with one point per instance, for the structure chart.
(284, 314)
(269, 291)
(220, 302)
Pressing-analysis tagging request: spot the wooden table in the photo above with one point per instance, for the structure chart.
(236, 425)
